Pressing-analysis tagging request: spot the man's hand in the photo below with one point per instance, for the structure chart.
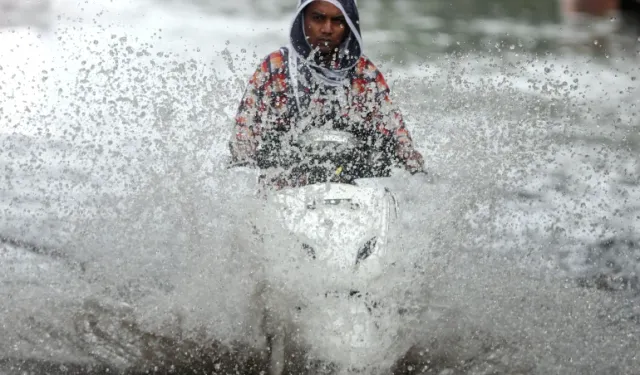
(414, 163)
(239, 164)
(242, 152)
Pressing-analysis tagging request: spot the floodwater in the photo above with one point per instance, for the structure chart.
(123, 231)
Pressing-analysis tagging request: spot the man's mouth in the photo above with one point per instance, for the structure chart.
(325, 46)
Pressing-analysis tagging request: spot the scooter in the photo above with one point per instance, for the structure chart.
(330, 273)
(328, 255)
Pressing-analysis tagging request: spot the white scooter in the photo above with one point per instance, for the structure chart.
(328, 259)
(332, 275)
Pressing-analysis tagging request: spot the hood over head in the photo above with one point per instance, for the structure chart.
(350, 49)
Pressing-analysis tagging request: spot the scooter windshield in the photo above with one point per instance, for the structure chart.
(325, 155)
(316, 143)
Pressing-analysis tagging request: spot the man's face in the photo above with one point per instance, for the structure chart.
(324, 25)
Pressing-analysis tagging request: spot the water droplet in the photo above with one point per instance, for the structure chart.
(512, 47)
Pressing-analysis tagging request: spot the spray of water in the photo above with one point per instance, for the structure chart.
(156, 269)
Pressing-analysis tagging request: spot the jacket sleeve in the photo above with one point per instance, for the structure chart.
(248, 120)
(389, 121)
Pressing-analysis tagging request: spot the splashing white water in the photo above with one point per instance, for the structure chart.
(118, 165)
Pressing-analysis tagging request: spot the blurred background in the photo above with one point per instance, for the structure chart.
(418, 27)
(425, 27)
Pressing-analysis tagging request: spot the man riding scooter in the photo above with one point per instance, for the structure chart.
(321, 79)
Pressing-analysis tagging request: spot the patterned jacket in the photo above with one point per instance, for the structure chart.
(268, 106)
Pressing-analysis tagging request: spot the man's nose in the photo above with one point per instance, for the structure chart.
(326, 27)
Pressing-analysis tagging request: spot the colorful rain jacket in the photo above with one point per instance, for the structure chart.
(289, 92)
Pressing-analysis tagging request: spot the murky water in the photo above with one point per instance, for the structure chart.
(124, 233)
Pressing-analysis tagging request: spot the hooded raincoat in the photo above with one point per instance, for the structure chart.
(288, 91)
